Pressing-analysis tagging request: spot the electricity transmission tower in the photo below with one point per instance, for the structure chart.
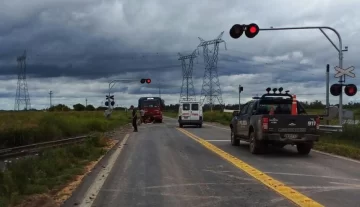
(211, 89)
(22, 98)
(187, 88)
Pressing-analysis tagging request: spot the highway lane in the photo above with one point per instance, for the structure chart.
(326, 179)
(160, 166)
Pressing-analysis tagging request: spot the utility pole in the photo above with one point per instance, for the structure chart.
(86, 102)
(50, 93)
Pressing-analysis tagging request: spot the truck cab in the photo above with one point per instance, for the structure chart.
(190, 113)
(153, 107)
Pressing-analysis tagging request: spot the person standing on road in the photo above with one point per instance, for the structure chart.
(134, 118)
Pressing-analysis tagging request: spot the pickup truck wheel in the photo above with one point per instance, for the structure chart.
(234, 141)
(180, 125)
(256, 146)
(304, 148)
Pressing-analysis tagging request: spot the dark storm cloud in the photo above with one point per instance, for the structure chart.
(144, 90)
(7, 94)
(89, 39)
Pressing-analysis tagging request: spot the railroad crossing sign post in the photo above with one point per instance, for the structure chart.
(344, 72)
(339, 48)
(111, 85)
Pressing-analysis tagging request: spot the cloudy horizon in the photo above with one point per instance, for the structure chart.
(74, 48)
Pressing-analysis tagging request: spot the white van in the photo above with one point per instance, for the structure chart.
(190, 113)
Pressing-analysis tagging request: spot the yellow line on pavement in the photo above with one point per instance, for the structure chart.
(289, 193)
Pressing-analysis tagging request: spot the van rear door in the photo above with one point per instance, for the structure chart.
(195, 112)
(185, 112)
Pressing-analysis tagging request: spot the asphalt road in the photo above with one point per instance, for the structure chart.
(162, 166)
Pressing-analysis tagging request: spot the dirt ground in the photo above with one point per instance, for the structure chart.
(47, 200)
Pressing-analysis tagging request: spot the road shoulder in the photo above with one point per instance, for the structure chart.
(77, 195)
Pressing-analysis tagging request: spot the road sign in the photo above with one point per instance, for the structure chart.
(347, 71)
(347, 114)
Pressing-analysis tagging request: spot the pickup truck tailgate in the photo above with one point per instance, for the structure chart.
(292, 124)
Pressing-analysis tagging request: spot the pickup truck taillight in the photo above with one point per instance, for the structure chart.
(265, 123)
(317, 122)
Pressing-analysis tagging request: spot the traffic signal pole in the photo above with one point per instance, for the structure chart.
(239, 98)
(327, 91)
(338, 48)
(111, 85)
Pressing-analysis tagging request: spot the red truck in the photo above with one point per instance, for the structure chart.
(153, 107)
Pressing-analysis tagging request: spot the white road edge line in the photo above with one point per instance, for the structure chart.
(99, 181)
(317, 151)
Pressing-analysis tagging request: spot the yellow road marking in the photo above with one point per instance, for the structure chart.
(289, 193)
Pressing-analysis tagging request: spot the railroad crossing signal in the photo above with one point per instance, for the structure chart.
(108, 98)
(350, 89)
(250, 30)
(147, 80)
(111, 97)
(344, 72)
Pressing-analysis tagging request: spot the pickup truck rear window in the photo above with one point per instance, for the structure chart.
(279, 107)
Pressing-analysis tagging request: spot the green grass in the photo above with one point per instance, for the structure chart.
(48, 172)
(54, 168)
(346, 143)
(21, 128)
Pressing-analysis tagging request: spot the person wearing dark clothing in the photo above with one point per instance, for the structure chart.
(134, 118)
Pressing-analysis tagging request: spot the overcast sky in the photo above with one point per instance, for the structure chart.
(75, 47)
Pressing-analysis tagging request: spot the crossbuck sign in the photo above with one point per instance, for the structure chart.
(347, 71)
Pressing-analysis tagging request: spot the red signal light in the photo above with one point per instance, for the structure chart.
(350, 89)
(252, 30)
(148, 81)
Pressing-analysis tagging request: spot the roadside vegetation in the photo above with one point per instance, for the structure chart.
(346, 143)
(53, 169)
(22, 128)
(48, 173)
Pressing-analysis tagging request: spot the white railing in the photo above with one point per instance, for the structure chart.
(330, 128)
